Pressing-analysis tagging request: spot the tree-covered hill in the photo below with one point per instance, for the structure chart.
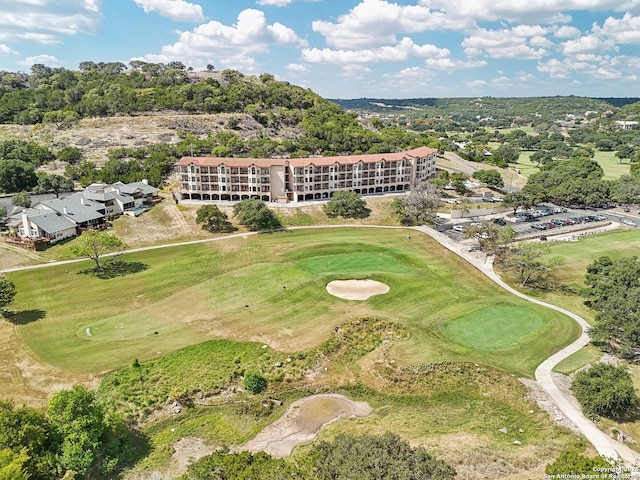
(492, 111)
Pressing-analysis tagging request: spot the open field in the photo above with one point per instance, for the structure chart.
(611, 165)
(271, 289)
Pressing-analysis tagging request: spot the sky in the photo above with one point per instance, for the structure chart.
(349, 48)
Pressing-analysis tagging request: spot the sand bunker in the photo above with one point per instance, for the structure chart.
(356, 289)
(301, 422)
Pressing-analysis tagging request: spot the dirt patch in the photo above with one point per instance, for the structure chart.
(26, 380)
(356, 289)
(302, 421)
(188, 450)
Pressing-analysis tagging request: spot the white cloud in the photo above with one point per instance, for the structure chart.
(274, 3)
(297, 67)
(5, 50)
(48, 60)
(476, 84)
(568, 31)
(177, 10)
(625, 30)
(554, 68)
(399, 52)
(356, 72)
(527, 11)
(450, 64)
(587, 44)
(519, 42)
(373, 23)
(47, 22)
(608, 74)
(232, 46)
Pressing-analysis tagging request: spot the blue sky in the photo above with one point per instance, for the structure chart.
(349, 48)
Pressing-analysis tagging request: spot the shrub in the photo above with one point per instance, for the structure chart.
(346, 204)
(254, 382)
(605, 390)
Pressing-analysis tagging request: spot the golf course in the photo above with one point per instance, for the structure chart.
(271, 288)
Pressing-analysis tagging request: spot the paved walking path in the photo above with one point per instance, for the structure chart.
(603, 443)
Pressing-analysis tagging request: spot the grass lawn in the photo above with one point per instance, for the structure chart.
(611, 165)
(271, 289)
(579, 255)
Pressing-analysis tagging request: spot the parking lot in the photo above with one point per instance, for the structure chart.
(550, 220)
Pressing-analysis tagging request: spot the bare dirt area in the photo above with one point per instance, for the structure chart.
(95, 136)
(302, 421)
(26, 380)
(356, 289)
(165, 222)
(11, 256)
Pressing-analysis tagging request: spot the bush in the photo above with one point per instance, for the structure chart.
(346, 204)
(372, 457)
(254, 382)
(571, 462)
(605, 390)
(255, 215)
(22, 199)
(213, 219)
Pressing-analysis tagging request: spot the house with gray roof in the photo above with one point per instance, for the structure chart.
(58, 218)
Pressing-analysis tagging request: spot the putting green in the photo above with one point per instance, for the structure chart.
(496, 327)
(354, 263)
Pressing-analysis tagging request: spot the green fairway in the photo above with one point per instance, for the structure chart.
(615, 244)
(271, 289)
(496, 327)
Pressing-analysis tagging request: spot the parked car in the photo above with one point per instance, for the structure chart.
(499, 221)
(458, 228)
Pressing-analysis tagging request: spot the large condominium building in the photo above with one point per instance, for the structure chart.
(303, 179)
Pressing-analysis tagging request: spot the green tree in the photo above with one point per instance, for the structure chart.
(62, 119)
(7, 292)
(26, 430)
(71, 155)
(613, 292)
(605, 390)
(625, 152)
(493, 239)
(570, 462)
(82, 424)
(419, 207)
(94, 244)
(532, 263)
(505, 154)
(3, 211)
(346, 204)
(255, 215)
(372, 457)
(22, 199)
(491, 178)
(12, 464)
(16, 175)
(54, 184)
(254, 382)
(223, 465)
(213, 219)
(516, 200)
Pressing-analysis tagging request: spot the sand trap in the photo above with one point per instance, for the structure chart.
(301, 422)
(356, 289)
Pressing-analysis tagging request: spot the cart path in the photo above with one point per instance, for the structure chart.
(603, 443)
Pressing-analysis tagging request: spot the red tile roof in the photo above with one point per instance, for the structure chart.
(302, 162)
